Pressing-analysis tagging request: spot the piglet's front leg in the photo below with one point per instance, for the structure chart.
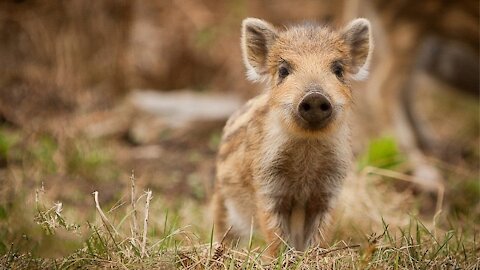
(273, 224)
(316, 217)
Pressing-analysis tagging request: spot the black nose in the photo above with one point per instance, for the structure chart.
(315, 109)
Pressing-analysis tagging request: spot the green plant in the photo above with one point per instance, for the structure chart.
(381, 152)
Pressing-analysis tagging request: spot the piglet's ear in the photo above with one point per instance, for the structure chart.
(358, 36)
(257, 38)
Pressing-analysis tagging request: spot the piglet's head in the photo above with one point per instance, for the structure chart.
(308, 70)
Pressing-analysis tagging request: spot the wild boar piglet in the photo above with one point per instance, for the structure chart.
(285, 153)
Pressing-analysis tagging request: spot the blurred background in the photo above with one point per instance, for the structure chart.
(93, 90)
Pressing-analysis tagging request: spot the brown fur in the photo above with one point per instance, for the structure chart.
(272, 169)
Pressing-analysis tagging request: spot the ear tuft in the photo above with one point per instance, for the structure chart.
(257, 37)
(358, 36)
(362, 74)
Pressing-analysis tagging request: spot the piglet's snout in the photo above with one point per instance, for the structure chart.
(316, 109)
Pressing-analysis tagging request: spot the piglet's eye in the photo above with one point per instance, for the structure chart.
(283, 72)
(337, 69)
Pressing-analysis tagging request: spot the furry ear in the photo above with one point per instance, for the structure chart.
(257, 37)
(358, 36)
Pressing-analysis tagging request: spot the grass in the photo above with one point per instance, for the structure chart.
(380, 223)
(124, 245)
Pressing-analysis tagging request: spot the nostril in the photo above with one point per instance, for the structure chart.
(325, 106)
(315, 109)
(306, 107)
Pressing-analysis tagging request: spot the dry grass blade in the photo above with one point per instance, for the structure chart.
(145, 222)
(337, 249)
(105, 220)
(134, 209)
(226, 234)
